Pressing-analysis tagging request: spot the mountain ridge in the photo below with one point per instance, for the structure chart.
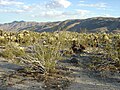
(95, 24)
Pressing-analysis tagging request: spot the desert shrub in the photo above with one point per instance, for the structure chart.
(7, 54)
(48, 55)
(44, 57)
(12, 50)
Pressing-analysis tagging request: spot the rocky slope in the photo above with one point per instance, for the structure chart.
(96, 24)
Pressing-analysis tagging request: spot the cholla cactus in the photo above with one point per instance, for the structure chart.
(2, 38)
(1, 32)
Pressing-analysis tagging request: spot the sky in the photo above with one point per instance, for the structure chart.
(56, 10)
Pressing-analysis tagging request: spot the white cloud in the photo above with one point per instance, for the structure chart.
(96, 5)
(83, 12)
(76, 13)
(81, 1)
(53, 9)
(9, 2)
(27, 8)
(12, 11)
(49, 9)
(107, 15)
(61, 14)
(58, 4)
(64, 3)
(12, 6)
(49, 14)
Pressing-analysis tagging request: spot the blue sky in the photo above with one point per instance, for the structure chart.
(56, 10)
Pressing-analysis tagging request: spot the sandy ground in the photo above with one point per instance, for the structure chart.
(88, 80)
(15, 83)
(82, 78)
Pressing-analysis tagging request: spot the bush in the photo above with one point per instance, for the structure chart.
(12, 51)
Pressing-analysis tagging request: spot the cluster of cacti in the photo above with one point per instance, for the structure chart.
(52, 44)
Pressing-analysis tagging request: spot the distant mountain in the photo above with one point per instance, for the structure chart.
(97, 24)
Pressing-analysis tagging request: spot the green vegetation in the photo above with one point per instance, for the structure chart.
(12, 50)
(45, 49)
